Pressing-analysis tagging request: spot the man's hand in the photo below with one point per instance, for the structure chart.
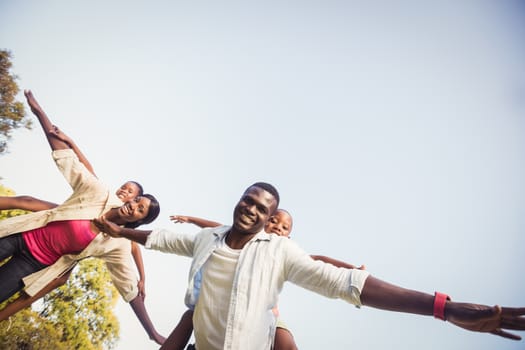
(107, 227)
(483, 318)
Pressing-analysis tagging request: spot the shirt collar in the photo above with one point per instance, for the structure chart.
(221, 231)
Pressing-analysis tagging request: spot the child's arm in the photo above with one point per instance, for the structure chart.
(193, 220)
(59, 134)
(335, 262)
(137, 305)
(25, 203)
(137, 256)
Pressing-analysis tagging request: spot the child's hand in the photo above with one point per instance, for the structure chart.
(142, 289)
(178, 219)
(56, 132)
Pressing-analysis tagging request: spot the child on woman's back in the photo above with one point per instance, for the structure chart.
(128, 191)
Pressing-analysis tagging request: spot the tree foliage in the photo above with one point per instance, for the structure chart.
(28, 331)
(12, 112)
(78, 315)
(82, 309)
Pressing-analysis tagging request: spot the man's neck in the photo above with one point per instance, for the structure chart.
(237, 240)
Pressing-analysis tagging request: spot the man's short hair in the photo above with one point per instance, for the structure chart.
(268, 188)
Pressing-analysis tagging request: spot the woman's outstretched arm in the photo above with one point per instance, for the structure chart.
(44, 121)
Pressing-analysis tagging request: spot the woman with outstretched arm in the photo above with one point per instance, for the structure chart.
(44, 245)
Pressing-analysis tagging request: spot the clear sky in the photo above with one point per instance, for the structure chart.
(394, 130)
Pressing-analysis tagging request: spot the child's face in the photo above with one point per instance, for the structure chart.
(128, 191)
(279, 223)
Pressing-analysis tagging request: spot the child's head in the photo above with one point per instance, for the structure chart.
(129, 190)
(280, 223)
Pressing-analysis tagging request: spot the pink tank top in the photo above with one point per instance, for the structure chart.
(47, 244)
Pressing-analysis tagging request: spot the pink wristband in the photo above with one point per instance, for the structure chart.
(440, 300)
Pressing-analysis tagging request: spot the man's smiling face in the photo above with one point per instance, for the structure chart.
(253, 210)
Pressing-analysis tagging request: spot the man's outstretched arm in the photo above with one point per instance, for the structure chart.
(114, 230)
(383, 295)
(473, 317)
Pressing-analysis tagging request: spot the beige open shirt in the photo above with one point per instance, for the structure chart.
(90, 199)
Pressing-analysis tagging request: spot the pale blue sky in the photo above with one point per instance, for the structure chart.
(395, 131)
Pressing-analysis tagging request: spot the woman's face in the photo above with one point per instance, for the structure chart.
(128, 191)
(135, 209)
(279, 223)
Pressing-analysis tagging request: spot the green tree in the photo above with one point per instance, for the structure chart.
(79, 315)
(82, 309)
(28, 331)
(12, 112)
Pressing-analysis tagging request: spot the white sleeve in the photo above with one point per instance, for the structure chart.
(170, 242)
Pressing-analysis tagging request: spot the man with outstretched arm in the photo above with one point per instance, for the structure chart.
(238, 271)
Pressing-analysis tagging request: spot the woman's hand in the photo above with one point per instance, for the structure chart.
(31, 101)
